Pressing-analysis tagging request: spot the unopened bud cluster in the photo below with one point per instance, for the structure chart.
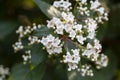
(78, 29)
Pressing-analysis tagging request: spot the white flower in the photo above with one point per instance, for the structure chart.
(20, 31)
(68, 17)
(95, 4)
(101, 10)
(89, 46)
(68, 57)
(75, 51)
(91, 54)
(27, 56)
(92, 25)
(3, 72)
(18, 46)
(72, 66)
(91, 35)
(68, 28)
(59, 29)
(52, 23)
(33, 39)
(85, 70)
(72, 34)
(102, 61)
(56, 42)
(97, 44)
(80, 39)
(72, 59)
(83, 1)
(52, 44)
(76, 56)
(62, 4)
(78, 27)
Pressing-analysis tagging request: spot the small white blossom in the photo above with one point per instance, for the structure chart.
(33, 39)
(102, 61)
(91, 24)
(27, 56)
(95, 4)
(97, 44)
(89, 46)
(91, 54)
(101, 10)
(68, 57)
(18, 46)
(72, 34)
(72, 59)
(78, 28)
(52, 44)
(83, 1)
(80, 39)
(62, 4)
(72, 66)
(3, 72)
(85, 70)
(91, 35)
(68, 17)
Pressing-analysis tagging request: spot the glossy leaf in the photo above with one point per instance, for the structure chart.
(37, 73)
(43, 31)
(38, 54)
(24, 72)
(19, 72)
(47, 9)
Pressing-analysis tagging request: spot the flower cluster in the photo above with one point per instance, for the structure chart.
(72, 60)
(24, 31)
(27, 57)
(3, 72)
(64, 5)
(85, 70)
(74, 28)
(52, 44)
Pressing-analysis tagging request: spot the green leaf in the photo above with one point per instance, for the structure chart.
(47, 9)
(43, 31)
(37, 73)
(24, 72)
(61, 72)
(19, 72)
(38, 54)
(70, 44)
(103, 74)
(56, 72)
(6, 27)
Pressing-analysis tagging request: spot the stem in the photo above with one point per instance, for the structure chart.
(75, 43)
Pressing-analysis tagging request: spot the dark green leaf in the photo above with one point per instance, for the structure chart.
(25, 72)
(37, 73)
(47, 9)
(58, 72)
(38, 54)
(43, 31)
(19, 72)
(61, 72)
(6, 27)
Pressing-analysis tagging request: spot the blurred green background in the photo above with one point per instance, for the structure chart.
(14, 13)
